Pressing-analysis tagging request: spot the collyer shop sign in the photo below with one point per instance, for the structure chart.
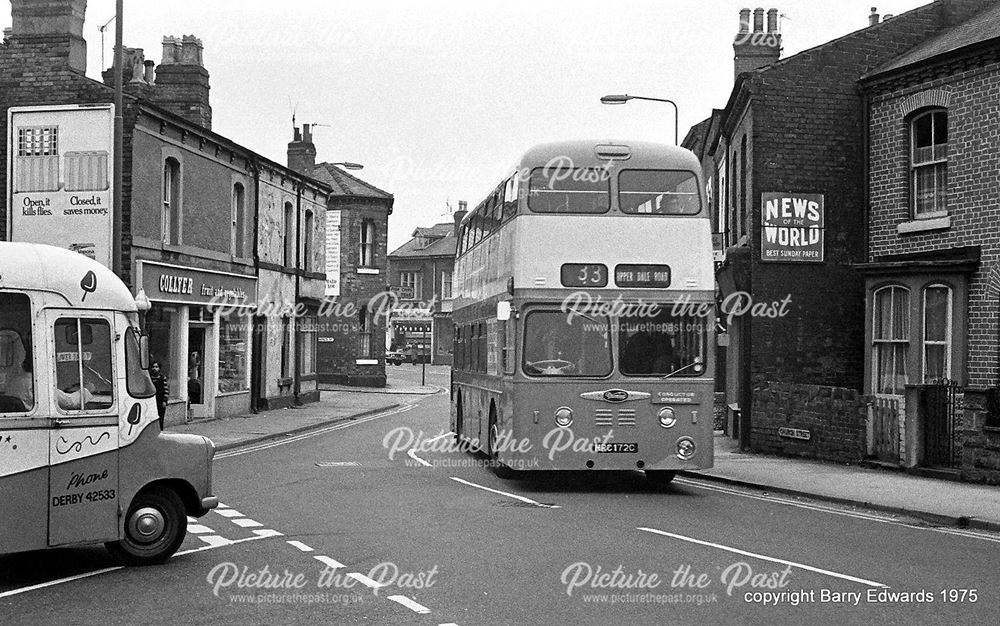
(793, 227)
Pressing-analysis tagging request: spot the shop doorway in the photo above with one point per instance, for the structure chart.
(198, 392)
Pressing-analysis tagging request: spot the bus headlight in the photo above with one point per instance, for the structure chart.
(564, 417)
(667, 419)
(685, 448)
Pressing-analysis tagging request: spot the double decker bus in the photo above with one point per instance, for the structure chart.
(584, 313)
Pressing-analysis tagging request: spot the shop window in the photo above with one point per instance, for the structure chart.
(17, 392)
(890, 339)
(367, 243)
(307, 345)
(163, 328)
(233, 354)
(929, 163)
(937, 333)
(289, 235)
(84, 372)
(170, 219)
(239, 241)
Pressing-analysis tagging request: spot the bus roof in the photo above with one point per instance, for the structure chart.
(587, 152)
(82, 281)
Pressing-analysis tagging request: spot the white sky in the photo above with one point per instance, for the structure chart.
(437, 98)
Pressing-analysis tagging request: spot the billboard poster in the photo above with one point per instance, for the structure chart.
(792, 227)
(332, 254)
(59, 172)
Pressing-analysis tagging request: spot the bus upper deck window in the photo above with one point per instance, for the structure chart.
(658, 192)
(569, 190)
(16, 378)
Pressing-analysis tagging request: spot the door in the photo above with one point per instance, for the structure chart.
(83, 440)
(197, 391)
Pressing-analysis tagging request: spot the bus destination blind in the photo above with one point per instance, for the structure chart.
(645, 276)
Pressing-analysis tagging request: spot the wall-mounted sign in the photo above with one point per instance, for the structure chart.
(792, 227)
(332, 289)
(173, 283)
(59, 184)
(794, 433)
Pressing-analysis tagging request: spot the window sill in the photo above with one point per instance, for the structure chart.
(919, 226)
(368, 270)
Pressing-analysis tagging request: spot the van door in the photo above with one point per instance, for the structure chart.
(83, 441)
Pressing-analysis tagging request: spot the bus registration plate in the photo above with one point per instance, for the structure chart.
(616, 447)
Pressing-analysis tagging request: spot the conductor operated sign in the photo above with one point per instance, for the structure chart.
(793, 227)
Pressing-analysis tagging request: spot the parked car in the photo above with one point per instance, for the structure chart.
(394, 357)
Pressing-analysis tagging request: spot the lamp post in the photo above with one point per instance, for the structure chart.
(623, 98)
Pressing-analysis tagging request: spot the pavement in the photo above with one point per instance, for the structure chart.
(933, 500)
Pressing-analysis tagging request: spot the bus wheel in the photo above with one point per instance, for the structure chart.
(660, 477)
(499, 469)
(154, 528)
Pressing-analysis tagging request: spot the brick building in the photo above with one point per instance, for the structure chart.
(352, 322)
(188, 213)
(785, 167)
(932, 280)
(420, 273)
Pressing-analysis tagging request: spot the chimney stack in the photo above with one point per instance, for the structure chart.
(182, 81)
(302, 151)
(757, 48)
(873, 18)
(58, 24)
(459, 214)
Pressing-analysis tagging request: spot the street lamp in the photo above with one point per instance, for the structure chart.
(623, 98)
(347, 165)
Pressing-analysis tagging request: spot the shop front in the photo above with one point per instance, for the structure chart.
(200, 333)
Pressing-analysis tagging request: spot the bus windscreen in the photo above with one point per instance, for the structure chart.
(569, 190)
(662, 345)
(559, 345)
(658, 192)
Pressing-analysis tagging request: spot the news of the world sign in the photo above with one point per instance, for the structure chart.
(793, 227)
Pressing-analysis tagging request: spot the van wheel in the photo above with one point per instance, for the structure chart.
(493, 438)
(154, 528)
(660, 478)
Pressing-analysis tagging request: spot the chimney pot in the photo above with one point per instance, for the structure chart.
(758, 20)
(744, 21)
(171, 51)
(148, 71)
(873, 18)
(191, 48)
(772, 21)
(459, 214)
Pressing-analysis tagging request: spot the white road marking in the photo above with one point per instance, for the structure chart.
(504, 493)
(199, 529)
(229, 513)
(267, 532)
(313, 433)
(52, 583)
(367, 582)
(222, 506)
(14, 592)
(410, 604)
(338, 464)
(300, 546)
(413, 455)
(246, 522)
(215, 540)
(863, 581)
(331, 563)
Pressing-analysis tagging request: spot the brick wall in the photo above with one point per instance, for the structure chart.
(973, 201)
(835, 418)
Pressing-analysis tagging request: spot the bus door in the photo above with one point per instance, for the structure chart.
(83, 440)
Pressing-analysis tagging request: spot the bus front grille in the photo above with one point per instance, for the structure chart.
(613, 417)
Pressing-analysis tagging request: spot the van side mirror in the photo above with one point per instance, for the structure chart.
(503, 310)
(144, 351)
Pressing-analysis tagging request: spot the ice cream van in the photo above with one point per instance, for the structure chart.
(83, 458)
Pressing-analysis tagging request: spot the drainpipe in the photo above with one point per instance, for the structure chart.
(256, 360)
(297, 383)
